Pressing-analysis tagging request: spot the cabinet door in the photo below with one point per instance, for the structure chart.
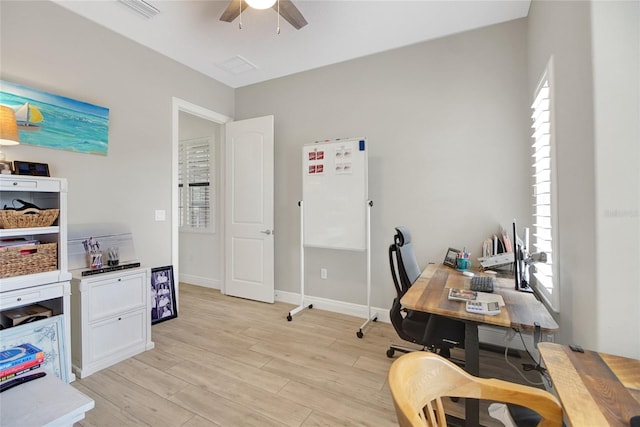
(117, 338)
(110, 297)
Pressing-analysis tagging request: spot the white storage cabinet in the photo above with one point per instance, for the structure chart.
(111, 319)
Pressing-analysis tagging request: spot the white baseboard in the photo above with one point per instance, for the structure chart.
(351, 309)
(200, 281)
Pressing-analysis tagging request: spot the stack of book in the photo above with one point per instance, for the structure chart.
(19, 360)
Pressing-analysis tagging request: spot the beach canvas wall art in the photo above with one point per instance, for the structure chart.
(54, 121)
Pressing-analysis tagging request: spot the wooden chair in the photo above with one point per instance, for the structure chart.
(419, 380)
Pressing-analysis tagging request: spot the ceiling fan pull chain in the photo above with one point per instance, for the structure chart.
(278, 26)
(240, 22)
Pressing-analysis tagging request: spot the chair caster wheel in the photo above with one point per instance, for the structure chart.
(289, 318)
(359, 334)
(390, 353)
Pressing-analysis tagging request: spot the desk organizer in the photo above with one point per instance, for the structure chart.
(28, 259)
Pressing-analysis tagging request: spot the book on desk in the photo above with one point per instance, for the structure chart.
(468, 295)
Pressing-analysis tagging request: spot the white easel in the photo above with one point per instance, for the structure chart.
(372, 317)
(301, 306)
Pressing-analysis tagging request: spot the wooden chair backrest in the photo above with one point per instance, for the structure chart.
(419, 380)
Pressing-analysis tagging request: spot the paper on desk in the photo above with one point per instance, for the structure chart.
(487, 297)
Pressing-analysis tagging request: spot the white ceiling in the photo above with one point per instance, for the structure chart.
(338, 30)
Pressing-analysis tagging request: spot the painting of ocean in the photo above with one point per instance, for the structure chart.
(54, 121)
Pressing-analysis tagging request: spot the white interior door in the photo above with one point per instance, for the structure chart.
(249, 270)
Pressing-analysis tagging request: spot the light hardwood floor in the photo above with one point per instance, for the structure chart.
(231, 362)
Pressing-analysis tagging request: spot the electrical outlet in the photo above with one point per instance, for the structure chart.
(323, 273)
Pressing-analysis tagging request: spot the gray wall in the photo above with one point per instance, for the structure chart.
(47, 47)
(447, 127)
(596, 49)
(616, 40)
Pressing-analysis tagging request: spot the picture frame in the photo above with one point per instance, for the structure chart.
(450, 257)
(163, 295)
(30, 168)
(50, 120)
(6, 168)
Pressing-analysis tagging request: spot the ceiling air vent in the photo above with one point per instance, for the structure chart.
(236, 65)
(141, 7)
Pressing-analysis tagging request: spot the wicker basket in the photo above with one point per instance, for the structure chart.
(28, 259)
(28, 218)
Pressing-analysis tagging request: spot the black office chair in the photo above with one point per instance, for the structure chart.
(435, 333)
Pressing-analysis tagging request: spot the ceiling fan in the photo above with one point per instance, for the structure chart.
(286, 8)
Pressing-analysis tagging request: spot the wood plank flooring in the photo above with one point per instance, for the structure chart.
(231, 362)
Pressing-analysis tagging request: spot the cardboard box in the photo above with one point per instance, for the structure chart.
(16, 316)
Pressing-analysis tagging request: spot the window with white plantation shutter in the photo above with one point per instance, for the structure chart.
(544, 235)
(195, 185)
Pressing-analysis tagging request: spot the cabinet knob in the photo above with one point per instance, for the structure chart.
(119, 279)
(15, 183)
(119, 318)
(19, 299)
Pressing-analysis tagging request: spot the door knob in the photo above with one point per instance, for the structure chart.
(267, 232)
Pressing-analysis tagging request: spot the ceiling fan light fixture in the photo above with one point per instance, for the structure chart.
(261, 4)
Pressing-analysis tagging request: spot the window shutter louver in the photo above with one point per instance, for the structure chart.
(195, 184)
(543, 240)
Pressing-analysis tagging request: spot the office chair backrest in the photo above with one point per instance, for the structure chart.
(419, 380)
(407, 264)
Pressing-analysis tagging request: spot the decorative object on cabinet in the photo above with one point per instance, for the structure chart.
(163, 295)
(30, 168)
(48, 335)
(6, 167)
(8, 132)
(54, 121)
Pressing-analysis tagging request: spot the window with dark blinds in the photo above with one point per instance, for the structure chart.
(195, 184)
(544, 239)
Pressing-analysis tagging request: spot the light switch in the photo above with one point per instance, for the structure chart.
(161, 215)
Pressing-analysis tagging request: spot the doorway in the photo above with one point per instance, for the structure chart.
(189, 120)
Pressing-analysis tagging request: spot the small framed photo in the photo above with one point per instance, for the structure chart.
(450, 257)
(31, 168)
(163, 295)
(6, 168)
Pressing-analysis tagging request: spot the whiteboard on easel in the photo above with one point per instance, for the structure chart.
(335, 194)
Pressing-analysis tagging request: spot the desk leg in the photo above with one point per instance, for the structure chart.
(472, 366)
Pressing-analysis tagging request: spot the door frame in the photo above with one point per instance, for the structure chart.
(179, 105)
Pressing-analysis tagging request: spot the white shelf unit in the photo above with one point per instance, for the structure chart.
(50, 288)
(111, 318)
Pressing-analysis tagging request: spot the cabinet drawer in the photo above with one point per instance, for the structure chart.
(30, 184)
(118, 295)
(29, 295)
(116, 335)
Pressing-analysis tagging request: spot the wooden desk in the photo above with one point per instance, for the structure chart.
(430, 294)
(595, 389)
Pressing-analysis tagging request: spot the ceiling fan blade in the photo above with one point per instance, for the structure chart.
(233, 10)
(291, 14)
